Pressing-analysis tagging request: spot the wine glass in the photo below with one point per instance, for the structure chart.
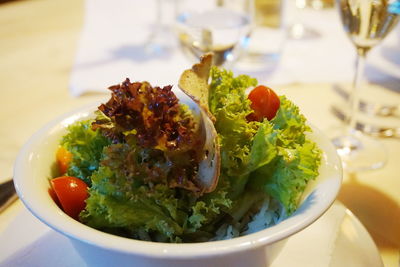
(267, 40)
(297, 29)
(158, 41)
(366, 23)
(217, 26)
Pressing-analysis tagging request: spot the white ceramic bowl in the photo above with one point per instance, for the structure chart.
(33, 169)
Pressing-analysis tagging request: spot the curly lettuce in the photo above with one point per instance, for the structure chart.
(274, 157)
(123, 201)
(134, 190)
(86, 146)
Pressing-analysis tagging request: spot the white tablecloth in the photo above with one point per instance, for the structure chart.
(112, 48)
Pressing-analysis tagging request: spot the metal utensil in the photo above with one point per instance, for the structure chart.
(371, 108)
(374, 130)
(7, 194)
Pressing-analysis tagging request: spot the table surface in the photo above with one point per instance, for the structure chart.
(38, 41)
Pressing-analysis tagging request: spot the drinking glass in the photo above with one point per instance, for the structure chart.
(153, 44)
(297, 29)
(267, 40)
(217, 26)
(158, 42)
(366, 23)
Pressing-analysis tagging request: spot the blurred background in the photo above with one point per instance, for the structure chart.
(59, 55)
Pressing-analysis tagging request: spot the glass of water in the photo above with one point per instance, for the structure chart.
(217, 26)
(268, 37)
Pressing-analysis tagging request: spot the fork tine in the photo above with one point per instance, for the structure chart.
(371, 108)
(373, 130)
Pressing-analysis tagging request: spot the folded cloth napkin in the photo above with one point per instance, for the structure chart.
(113, 47)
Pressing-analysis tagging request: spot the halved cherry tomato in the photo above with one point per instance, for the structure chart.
(71, 193)
(54, 196)
(63, 158)
(264, 102)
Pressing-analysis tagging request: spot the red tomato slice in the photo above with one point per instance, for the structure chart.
(264, 102)
(63, 158)
(54, 196)
(71, 193)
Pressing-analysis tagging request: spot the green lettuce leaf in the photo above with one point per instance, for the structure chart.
(121, 202)
(290, 123)
(86, 147)
(229, 104)
(287, 176)
(272, 156)
(151, 211)
(264, 148)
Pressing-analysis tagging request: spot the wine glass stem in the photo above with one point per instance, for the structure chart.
(355, 94)
(157, 22)
(158, 15)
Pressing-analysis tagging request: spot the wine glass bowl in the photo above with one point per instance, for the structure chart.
(366, 22)
(208, 27)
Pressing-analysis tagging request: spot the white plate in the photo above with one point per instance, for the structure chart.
(335, 239)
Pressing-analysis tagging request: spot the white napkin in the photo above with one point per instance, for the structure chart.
(112, 47)
(112, 41)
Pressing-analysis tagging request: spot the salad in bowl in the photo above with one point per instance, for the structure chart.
(217, 170)
(133, 170)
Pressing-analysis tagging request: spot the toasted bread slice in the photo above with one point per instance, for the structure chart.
(194, 81)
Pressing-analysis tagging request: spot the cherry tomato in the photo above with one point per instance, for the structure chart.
(63, 158)
(54, 196)
(71, 193)
(264, 102)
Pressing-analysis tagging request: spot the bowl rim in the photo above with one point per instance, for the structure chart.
(65, 225)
